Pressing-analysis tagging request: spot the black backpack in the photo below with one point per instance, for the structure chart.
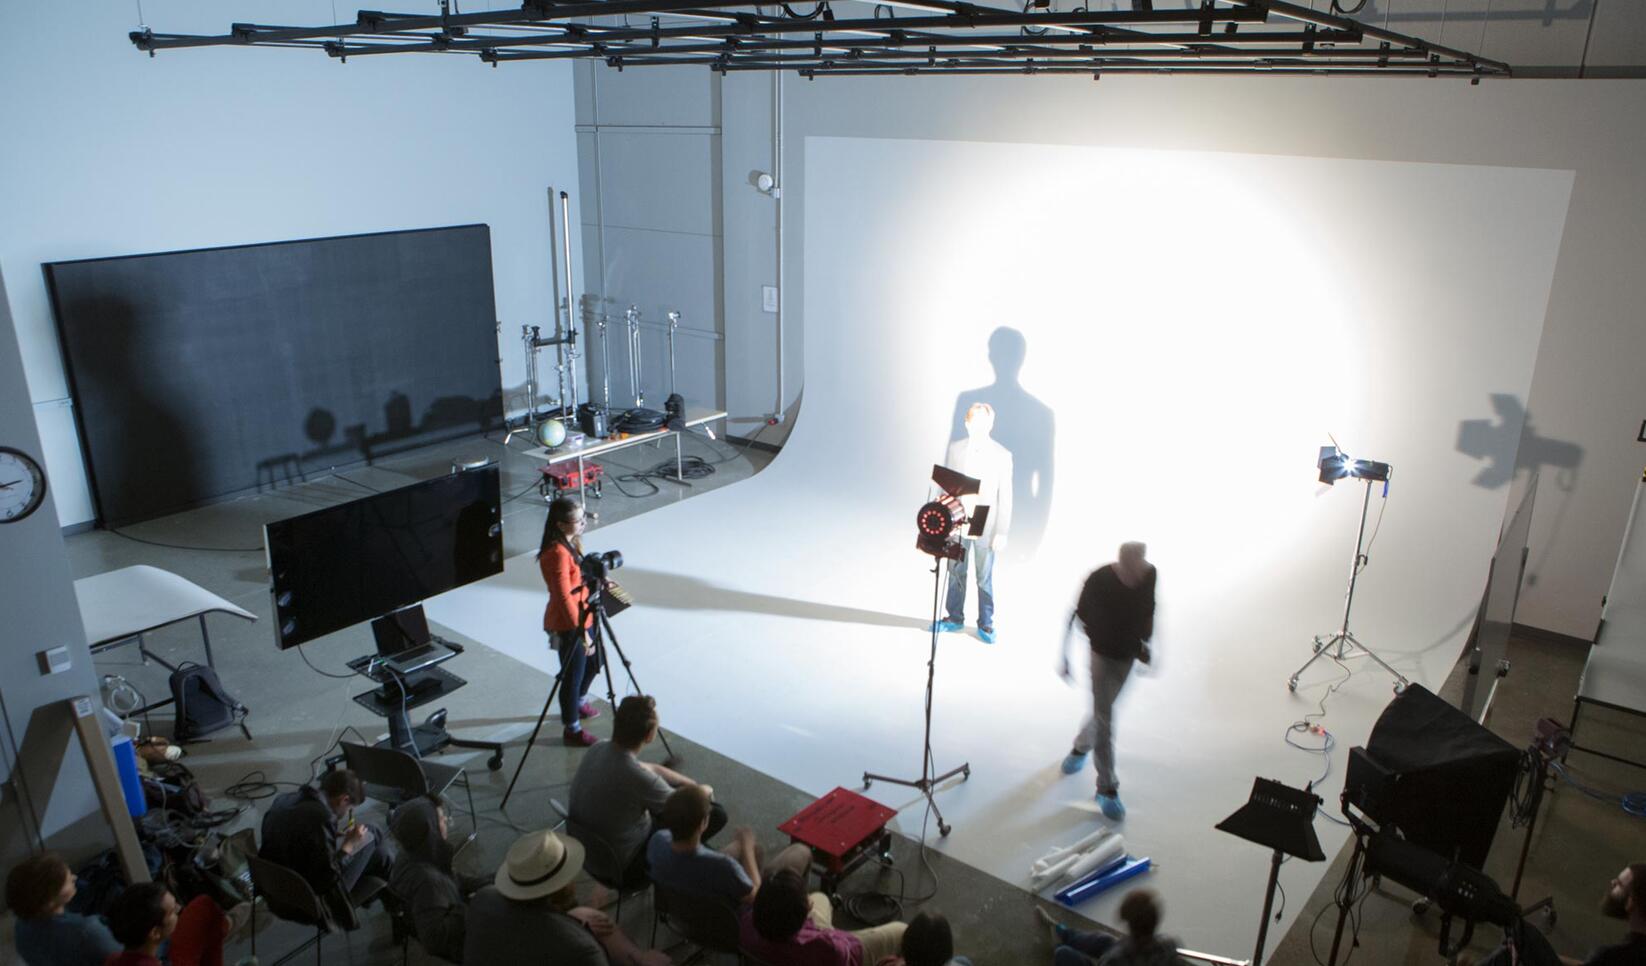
(204, 706)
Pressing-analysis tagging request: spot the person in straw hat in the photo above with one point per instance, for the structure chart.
(529, 915)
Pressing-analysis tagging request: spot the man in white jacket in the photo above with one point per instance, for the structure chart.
(980, 457)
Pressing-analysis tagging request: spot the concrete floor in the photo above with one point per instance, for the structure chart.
(1579, 842)
(298, 715)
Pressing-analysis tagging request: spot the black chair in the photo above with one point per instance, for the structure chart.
(289, 897)
(396, 777)
(603, 864)
(705, 921)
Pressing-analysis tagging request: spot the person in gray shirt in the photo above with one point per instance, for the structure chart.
(615, 796)
(529, 915)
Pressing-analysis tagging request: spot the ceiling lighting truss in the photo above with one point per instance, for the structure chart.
(928, 37)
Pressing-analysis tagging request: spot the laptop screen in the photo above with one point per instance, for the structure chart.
(401, 631)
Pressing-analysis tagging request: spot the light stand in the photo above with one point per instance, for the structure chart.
(631, 320)
(1334, 466)
(927, 782)
(1282, 819)
(939, 522)
(601, 629)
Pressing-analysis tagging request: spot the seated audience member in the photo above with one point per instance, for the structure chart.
(38, 890)
(927, 942)
(615, 795)
(789, 927)
(680, 861)
(313, 832)
(1141, 947)
(1626, 900)
(529, 915)
(142, 918)
(422, 876)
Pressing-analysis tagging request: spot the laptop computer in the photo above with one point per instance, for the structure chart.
(404, 642)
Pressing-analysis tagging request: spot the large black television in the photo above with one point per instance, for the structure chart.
(357, 561)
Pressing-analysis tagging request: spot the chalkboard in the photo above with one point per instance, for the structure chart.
(202, 373)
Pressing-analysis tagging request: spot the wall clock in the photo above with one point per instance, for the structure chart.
(22, 484)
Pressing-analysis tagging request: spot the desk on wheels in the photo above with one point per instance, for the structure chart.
(396, 695)
(589, 449)
(119, 607)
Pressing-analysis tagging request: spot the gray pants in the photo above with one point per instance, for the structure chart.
(1096, 735)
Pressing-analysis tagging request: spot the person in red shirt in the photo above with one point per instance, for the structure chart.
(567, 618)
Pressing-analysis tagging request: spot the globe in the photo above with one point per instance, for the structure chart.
(551, 433)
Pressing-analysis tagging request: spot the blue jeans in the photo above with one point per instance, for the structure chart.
(982, 559)
(577, 671)
(1077, 948)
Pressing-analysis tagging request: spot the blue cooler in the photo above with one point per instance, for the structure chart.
(131, 781)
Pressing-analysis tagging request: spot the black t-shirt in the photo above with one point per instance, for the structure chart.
(1117, 619)
(1630, 952)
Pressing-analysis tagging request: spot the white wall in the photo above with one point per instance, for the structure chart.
(1585, 389)
(649, 144)
(110, 152)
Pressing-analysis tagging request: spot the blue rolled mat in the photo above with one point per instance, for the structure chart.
(1103, 879)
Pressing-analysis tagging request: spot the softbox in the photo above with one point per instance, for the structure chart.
(1430, 771)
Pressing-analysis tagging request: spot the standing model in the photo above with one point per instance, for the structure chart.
(978, 455)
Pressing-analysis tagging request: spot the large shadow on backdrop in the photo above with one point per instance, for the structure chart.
(679, 592)
(1509, 444)
(1027, 428)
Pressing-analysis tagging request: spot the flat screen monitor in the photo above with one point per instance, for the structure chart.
(346, 564)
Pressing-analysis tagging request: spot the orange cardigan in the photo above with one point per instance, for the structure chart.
(567, 595)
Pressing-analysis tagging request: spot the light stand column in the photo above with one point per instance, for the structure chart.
(1337, 646)
(927, 782)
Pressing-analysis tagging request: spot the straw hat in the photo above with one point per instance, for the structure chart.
(539, 864)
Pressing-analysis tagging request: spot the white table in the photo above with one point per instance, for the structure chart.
(119, 607)
(589, 449)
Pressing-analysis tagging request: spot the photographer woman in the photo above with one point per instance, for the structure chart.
(567, 619)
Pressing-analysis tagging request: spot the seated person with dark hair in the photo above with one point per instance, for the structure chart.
(927, 942)
(1626, 900)
(38, 891)
(423, 877)
(142, 918)
(680, 861)
(529, 915)
(1142, 946)
(615, 795)
(313, 832)
(787, 926)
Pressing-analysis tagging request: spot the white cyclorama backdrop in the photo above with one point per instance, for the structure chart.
(1195, 324)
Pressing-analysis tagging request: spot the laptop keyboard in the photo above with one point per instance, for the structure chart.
(416, 654)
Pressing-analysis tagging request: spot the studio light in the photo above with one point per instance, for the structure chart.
(939, 521)
(1337, 465)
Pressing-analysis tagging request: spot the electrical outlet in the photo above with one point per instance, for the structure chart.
(768, 298)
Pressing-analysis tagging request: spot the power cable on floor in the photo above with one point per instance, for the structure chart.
(180, 546)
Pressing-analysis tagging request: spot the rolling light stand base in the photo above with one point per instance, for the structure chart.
(927, 788)
(1338, 647)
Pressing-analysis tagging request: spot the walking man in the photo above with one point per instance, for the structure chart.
(1116, 610)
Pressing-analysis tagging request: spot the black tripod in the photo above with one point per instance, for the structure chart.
(600, 631)
(926, 783)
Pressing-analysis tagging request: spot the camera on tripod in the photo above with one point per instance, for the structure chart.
(597, 567)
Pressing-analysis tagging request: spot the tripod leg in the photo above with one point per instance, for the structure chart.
(1400, 678)
(1320, 651)
(530, 742)
(602, 621)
